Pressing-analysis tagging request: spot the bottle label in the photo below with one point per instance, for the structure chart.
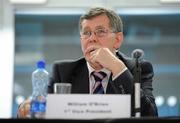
(37, 106)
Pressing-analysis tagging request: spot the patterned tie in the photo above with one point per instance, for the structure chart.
(98, 77)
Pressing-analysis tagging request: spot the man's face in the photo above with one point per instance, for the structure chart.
(96, 32)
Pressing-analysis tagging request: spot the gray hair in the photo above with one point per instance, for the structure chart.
(115, 21)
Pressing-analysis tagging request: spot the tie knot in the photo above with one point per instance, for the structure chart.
(99, 76)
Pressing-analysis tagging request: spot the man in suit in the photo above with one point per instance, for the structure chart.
(101, 35)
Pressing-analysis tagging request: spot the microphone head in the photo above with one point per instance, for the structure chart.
(137, 53)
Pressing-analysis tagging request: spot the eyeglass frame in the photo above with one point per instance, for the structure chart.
(106, 31)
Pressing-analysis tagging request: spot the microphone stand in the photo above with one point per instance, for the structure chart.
(137, 87)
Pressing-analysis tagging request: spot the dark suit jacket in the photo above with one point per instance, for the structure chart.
(76, 73)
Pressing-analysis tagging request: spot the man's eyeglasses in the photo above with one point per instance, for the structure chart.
(98, 32)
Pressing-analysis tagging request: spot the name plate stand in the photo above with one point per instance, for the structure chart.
(87, 106)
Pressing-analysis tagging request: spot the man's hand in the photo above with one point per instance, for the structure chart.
(106, 58)
(24, 109)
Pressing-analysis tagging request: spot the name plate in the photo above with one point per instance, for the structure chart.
(87, 106)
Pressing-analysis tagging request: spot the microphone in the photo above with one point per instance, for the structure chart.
(137, 55)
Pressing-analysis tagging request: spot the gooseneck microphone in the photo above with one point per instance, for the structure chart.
(137, 55)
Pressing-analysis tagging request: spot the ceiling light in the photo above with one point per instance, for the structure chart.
(28, 1)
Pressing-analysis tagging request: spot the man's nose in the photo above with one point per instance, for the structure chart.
(93, 37)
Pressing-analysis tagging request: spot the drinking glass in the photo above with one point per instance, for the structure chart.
(62, 88)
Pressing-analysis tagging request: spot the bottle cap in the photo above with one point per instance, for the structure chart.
(41, 64)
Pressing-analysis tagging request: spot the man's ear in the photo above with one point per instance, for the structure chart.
(118, 40)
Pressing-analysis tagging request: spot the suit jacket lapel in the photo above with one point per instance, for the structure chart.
(80, 79)
(110, 86)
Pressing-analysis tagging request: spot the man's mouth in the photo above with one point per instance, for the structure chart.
(91, 50)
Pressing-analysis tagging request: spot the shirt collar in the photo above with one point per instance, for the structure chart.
(103, 70)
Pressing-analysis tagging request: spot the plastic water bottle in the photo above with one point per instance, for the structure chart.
(40, 79)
